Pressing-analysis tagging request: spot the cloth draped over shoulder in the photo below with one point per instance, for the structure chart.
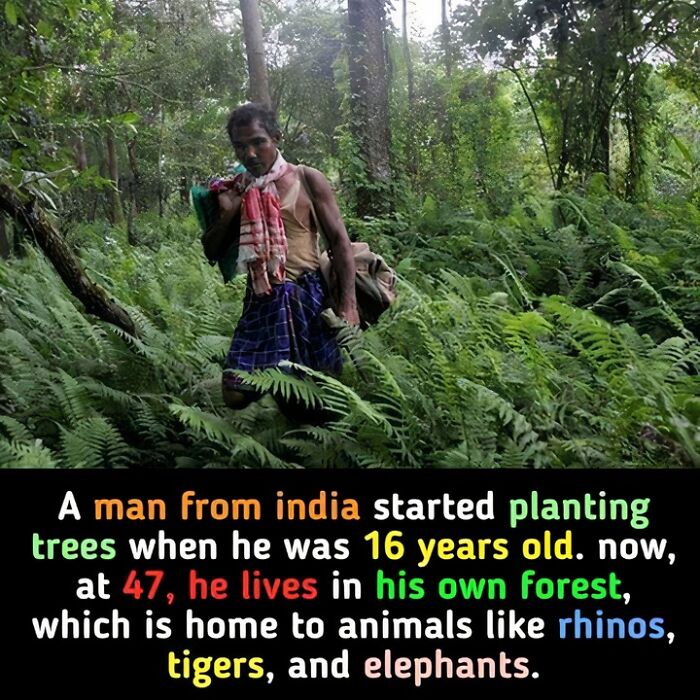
(260, 248)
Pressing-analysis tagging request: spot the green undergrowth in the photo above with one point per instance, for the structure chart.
(562, 335)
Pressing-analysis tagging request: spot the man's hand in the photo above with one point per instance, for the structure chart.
(350, 315)
(229, 202)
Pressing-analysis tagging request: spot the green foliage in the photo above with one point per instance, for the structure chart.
(531, 331)
(115, 101)
(550, 339)
(584, 68)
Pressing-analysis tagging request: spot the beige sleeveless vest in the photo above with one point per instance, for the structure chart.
(303, 251)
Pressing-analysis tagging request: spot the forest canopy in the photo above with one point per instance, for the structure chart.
(530, 168)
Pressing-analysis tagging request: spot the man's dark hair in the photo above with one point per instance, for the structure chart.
(248, 113)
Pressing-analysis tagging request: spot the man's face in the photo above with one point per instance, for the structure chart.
(254, 147)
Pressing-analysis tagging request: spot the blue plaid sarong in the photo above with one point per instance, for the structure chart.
(285, 325)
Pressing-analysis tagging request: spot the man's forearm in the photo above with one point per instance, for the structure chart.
(344, 265)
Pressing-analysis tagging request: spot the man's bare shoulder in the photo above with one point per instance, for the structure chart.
(318, 183)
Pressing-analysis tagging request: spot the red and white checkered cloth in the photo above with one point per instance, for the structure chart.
(262, 249)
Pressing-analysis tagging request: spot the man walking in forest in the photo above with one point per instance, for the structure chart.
(276, 208)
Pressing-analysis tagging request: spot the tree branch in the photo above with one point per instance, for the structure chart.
(543, 139)
(85, 71)
(67, 265)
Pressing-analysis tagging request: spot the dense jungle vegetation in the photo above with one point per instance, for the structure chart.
(531, 169)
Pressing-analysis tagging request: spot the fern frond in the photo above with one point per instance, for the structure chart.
(669, 314)
(220, 431)
(288, 386)
(73, 398)
(93, 443)
(26, 455)
(524, 437)
(13, 340)
(15, 430)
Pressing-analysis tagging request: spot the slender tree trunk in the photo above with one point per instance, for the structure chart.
(632, 93)
(445, 119)
(407, 57)
(561, 36)
(412, 155)
(4, 241)
(98, 197)
(161, 185)
(131, 237)
(600, 153)
(116, 212)
(603, 98)
(445, 39)
(81, 160)
(564, 154)
(535, 115)
(184, 189)
(94, 298)
(135, 175)
(134, 192)
(635, 166)
(369, 101)
(255, 50)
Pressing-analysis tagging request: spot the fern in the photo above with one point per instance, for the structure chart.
(21, 455)
(668, 313)
(15, 430)
(93, 443)
(217, 430)
(286, 385)
(481, 363)
(525, 440)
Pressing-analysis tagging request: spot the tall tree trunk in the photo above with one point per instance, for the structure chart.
(369, 101)
(407, 57)
(135, 175)
(98, 146)
(564, 154)
(562, 89)
(94, 298)
(81, 160)
(445, 39)
(634, 179)
(412, 155)
(116, 213)
(445, 118)
(134, 189)
(184, 188)
(599, 161)
(536, 117)
(161, 184)
(634, 119)
(4, 240)
(255, 50)
(602, 99)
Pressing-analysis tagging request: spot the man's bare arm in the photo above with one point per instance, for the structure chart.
(339, 241)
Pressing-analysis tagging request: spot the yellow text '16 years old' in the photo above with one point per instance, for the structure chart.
(547, 546)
